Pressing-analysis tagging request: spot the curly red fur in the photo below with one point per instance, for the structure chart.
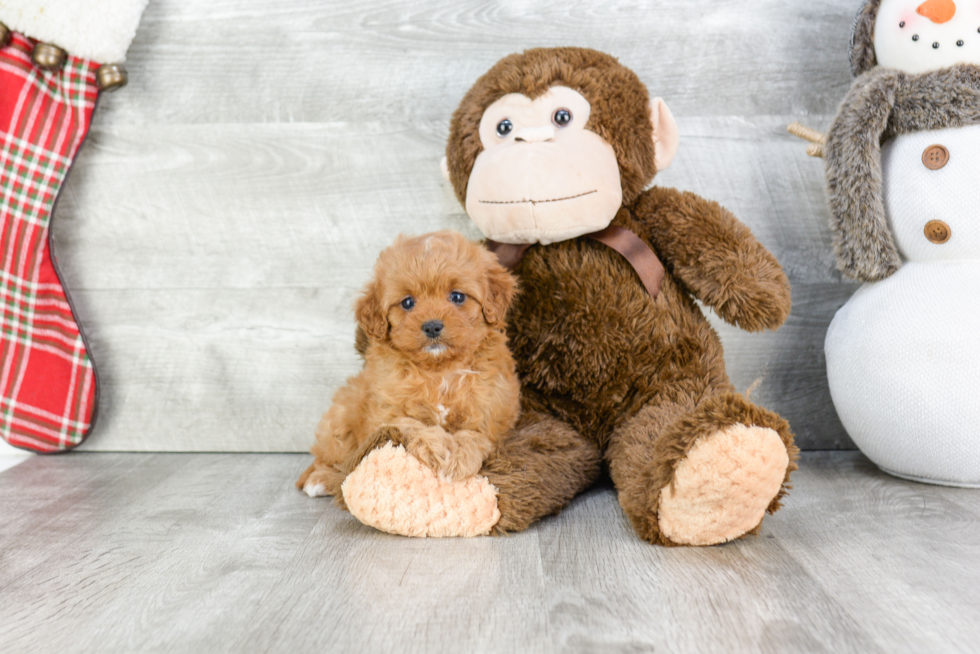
(452, 397)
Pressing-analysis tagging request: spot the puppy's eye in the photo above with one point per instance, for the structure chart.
(408, 303)
(562, 117)
(504, 127)
(456, 297)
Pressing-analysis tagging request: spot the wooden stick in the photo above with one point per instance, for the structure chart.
(805, 133)
(816, 139)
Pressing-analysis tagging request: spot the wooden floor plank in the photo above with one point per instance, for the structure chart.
(219, 553)
(857, 522)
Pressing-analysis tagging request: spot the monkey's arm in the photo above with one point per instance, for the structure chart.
(716, 257)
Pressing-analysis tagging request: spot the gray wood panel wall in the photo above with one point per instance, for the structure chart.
(229, 203)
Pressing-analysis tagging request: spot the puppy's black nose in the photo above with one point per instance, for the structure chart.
(432, 328)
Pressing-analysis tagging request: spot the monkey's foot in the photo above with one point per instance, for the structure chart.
(722, 489)
(392, 492)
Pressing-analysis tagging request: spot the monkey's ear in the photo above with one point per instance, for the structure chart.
(444, 167)
(370, 314)
(666, 135)
(500, 289)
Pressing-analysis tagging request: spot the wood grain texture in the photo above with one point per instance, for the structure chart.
(378, 60)
(230, 202)
(219, 553)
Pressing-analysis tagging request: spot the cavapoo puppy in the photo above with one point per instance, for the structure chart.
(436, 363)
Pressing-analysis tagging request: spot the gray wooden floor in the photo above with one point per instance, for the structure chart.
(218, 553)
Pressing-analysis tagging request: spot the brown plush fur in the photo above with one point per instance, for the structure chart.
(640, 471)
(608, 372)
(594, 350)
(537, 470)
(451, 397)
(862, 38)
(881, 104)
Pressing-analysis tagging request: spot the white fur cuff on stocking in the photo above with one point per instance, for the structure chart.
(99, 30)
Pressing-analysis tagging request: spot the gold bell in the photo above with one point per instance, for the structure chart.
(4, 35)
(49, 57)
(112, 77)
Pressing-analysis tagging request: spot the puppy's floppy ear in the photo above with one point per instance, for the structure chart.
(500, 287)
(370, 313)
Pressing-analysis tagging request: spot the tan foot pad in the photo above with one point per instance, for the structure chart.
(724, 486)
(391, 491)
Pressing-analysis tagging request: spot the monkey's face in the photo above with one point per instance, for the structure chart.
(915, 36)
(542, 176)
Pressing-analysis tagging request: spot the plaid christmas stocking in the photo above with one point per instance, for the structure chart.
(48, 388)
(47, 380)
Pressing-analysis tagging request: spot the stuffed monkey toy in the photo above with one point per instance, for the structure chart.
(550, 152)
(902, 160)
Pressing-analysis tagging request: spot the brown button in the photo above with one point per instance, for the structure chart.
(935, 157)
(937, 231)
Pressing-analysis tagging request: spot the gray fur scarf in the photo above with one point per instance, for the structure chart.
(882, 104)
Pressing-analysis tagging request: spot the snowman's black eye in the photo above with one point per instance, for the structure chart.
(562, 117)
(504, 127)
(902, 24)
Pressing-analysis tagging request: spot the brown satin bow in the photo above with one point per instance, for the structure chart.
(640, 255)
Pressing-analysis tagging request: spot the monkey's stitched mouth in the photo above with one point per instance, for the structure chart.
(533, 202)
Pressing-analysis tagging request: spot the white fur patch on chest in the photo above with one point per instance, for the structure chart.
(443, 414)
(454, 378)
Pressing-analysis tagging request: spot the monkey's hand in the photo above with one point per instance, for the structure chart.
(716, 257)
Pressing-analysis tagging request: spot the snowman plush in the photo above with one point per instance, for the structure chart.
(903, 181)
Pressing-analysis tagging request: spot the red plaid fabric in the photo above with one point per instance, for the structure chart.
(47, 383)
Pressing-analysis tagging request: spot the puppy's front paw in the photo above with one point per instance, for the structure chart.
(467, 452)
(314, 490)
(430, 445)
(320, 481)
(451, 456)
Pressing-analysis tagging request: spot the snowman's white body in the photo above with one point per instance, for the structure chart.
(903, 355)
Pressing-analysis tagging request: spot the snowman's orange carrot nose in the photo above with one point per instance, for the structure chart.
(938, 11)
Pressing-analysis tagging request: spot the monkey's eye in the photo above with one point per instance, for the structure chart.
(457, 298)
(408, 303)
(562, 117)
(504, 127)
